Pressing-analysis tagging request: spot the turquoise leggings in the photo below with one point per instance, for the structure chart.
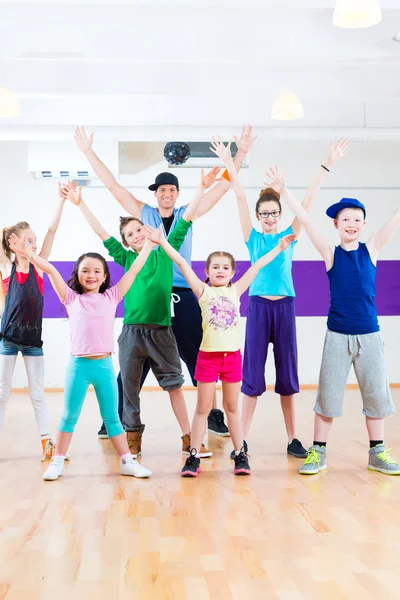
(100, 373)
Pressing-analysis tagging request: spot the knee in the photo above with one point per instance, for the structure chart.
(67, 424)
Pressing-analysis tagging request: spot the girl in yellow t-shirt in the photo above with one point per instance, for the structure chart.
(219, 355)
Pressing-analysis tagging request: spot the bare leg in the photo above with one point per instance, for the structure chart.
(288, 410)
(249, 406)
(230, 401)
(205, 394)
(63, 441)
(215, 400)
(180, 411)
(322, 427)
(375, 428)
(120, 444)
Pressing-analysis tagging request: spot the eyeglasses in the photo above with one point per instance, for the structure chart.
(275, 214)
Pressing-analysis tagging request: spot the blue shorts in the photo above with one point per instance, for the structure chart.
(10, 349)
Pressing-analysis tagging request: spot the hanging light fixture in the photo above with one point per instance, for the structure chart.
(287, 107)
(9, 103)
(354, 14)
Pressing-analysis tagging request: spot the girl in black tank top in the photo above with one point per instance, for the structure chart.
(21, 322)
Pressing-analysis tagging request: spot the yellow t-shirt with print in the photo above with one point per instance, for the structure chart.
(220, 310)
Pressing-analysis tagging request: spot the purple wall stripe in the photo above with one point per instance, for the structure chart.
(310, 282)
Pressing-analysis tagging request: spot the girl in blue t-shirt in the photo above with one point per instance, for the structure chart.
(271, 315)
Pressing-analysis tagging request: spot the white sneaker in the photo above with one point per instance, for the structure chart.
(132, 467)
(55, 469)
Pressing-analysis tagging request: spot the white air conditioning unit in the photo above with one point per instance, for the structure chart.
(201, 157)
(62, 160)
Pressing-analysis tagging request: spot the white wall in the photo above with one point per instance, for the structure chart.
(369, 172)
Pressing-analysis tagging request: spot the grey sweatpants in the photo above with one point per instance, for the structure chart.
(136, 344)
(366, 354)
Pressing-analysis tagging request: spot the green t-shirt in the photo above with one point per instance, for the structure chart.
(149, 297)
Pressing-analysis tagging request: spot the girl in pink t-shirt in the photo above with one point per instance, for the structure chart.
(91, 304)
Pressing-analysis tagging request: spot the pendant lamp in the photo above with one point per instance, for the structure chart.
(287, 107)
(354, 14)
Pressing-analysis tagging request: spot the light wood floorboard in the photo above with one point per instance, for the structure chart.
(274, 535)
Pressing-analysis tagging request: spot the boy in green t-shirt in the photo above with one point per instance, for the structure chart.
(147, 332)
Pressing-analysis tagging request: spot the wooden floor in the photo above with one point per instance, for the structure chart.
(274, 535)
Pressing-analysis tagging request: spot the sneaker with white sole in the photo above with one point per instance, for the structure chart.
(55, 469)
(315, 461)
(186, 447)
(380, 460)
(133, 468)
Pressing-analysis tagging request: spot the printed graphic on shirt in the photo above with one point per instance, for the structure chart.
(222, 313)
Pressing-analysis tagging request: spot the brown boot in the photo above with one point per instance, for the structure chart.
(186, 447)
(134, 439)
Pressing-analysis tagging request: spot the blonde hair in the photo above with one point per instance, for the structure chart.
(5, 236)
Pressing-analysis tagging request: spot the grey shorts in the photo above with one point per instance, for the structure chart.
(366, 354)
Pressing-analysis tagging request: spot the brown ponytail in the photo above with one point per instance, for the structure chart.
(5, 236)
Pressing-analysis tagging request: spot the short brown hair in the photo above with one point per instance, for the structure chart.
(222, 254)
(123, 222)
(268, 195)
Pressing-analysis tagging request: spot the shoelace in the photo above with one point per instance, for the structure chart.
(385, 457)
(192, 458)
(312, 457)
(241, 457)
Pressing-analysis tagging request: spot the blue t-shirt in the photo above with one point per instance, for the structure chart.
(352, 282)
(275, 279)
(151, 216)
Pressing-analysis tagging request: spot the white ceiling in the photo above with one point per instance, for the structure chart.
(142, 66)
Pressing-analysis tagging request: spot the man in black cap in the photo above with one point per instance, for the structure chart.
(186, 321)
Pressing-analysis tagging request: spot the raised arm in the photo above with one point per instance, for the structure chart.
(244, 144)
(224, 153)
(325, 250)
(377, 241)
(54, 223)
(127, 200)
(126, 281)
(207, 180)
(243, 283)
(336, 153)
(157, 237)
(58, 283)
(75, 196)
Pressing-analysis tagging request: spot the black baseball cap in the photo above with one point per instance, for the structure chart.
(164, 179)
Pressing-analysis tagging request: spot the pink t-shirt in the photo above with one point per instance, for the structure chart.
(91, 319)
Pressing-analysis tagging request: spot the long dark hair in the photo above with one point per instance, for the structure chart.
(73, 282)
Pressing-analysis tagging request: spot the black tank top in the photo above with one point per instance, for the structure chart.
(21, 321)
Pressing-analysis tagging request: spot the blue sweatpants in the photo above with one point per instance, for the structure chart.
(100, 373)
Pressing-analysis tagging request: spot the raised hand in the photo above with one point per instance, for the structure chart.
(246, 139)
(64, 187)
(219, 148)
(210, 178)
(337, 151)
(277, 179)
(154, 235)
(286, 240)
(74, 195)
(19, 245)
(83, 141)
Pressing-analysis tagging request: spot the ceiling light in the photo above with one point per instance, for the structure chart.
(287, 107)
(354, 14)
(9, 103)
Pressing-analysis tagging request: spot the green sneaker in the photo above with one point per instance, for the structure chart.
(380, 460)
(315, 461)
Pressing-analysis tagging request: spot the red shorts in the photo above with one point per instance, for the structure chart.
(211, 366)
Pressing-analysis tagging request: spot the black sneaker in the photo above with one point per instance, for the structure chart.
(216, 423)
(295, 448)
(192, 465)
(246, 449)
(242, 466)
(102, 433)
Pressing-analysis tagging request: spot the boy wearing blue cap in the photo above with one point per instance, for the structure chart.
(353, 336)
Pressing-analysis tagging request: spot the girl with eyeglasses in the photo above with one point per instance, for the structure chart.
(271, 313)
